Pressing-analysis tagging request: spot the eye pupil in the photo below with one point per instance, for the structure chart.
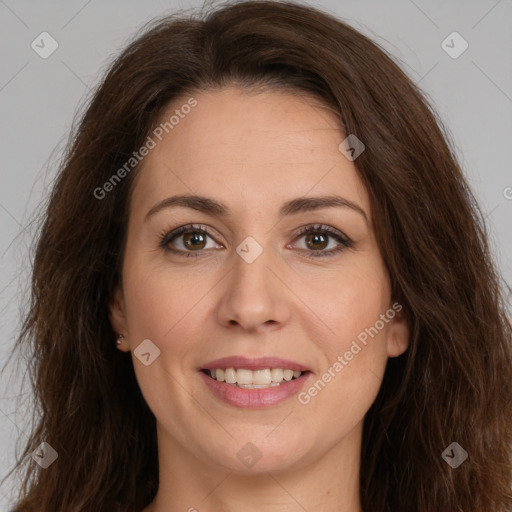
(191, 238)
(317, 238)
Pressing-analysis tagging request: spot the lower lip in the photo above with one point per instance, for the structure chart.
(254, 398)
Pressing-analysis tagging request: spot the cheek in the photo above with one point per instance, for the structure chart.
(350, 379)
(162, 306)
(353, 302)
(158, 299)
(355, 352)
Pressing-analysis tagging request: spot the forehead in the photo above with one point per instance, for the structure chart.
(249, 149)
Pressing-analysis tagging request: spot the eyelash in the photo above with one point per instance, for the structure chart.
(345, 242)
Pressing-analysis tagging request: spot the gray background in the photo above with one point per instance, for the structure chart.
(39, 97)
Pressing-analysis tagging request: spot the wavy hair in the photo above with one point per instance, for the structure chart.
(454, 383)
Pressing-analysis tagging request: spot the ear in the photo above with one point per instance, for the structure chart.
(117, 315)
(399, 333)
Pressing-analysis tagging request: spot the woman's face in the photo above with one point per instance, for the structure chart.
(243, 282)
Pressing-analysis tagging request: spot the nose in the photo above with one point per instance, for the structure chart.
(255, 297)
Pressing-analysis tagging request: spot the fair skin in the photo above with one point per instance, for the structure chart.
(254, 152)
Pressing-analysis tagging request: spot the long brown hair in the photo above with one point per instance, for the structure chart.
(454, 383)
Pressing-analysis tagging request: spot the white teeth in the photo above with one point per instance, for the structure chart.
(277, 374)
(230, 375)
(257, 379)
(261, 377)
(244, 376)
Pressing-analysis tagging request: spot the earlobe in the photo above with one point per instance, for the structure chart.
(398, 335)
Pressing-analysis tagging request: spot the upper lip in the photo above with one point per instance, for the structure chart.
(257, 363)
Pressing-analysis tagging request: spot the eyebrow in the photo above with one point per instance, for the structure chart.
(294, 206)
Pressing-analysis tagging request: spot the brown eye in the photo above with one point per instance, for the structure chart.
(194, 240)
(317, 238)
(316, 241)
(187, 241)
(190, 240)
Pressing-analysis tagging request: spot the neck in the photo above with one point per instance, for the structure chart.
(328, 482)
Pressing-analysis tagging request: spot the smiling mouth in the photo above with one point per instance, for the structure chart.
(257, 379)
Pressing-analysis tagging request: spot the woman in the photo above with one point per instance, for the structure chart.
(262, 283)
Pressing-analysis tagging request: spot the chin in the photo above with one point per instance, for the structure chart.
(261, 455)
